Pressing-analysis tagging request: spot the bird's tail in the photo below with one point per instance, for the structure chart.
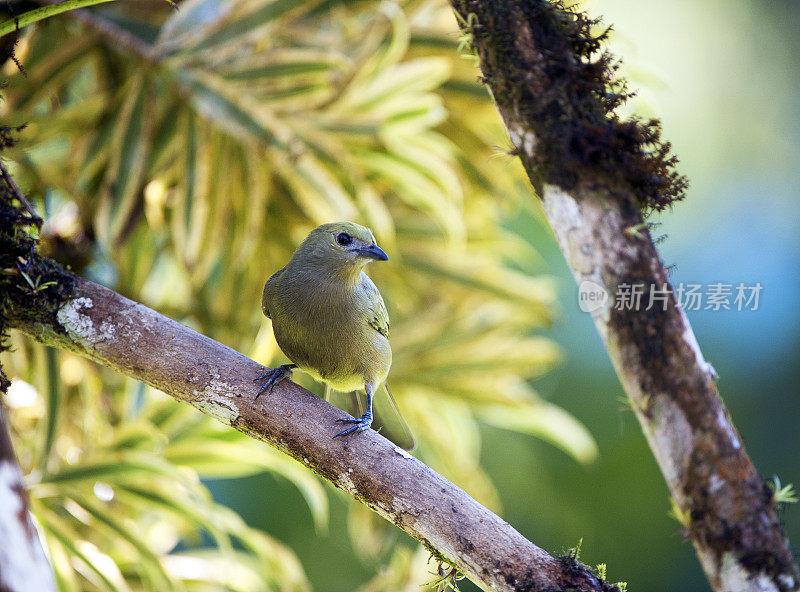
(386, 415)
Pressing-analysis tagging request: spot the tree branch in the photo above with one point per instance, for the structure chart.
(114, 331)
(17, 193)
(23, 562)
(536, 58)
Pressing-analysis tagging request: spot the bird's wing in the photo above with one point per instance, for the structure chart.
(265, 296)
(354, 403)
(387, 418)
(378, 317)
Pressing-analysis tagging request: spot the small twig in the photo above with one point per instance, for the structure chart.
(12, 50)
(17, 193)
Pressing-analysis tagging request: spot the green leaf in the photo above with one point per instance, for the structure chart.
(549, 423)
(53, 404)
(414, 187)
(115, 468)
(60, 560)
(125, 175)
(53, 70)
(504, 283)
(89, 555)
(148, 560)
(137, 435)
(391, 50)
(268, 12)
(242, 456)
(239, 116)
(316, 191)
(404, 79)
(278, 70)
(201, 25)
(38, 14)
(193, 15)
(193, 509)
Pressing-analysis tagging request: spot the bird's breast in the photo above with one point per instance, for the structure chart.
(325, 331)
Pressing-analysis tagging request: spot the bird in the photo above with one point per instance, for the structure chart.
(329, 319)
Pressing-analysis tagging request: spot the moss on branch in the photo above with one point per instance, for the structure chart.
(549, 73)
(32, 287)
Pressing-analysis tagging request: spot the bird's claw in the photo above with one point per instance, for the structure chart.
(358, 425)
(351, 420)
(273, 377)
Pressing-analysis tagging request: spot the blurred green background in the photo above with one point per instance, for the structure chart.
(722, 75)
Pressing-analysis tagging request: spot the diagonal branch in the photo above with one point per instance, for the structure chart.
(554, 89)
(116, 332)
(23, 562)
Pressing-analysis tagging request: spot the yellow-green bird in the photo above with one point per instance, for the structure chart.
(331, 322)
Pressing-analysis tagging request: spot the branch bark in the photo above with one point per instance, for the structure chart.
(114, 331)
(524, 46)
(23, 562)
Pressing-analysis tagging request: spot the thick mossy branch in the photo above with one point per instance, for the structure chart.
(550, 70)
(556, 91)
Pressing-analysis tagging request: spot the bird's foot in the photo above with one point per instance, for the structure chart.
(273, 377)
(358, 425)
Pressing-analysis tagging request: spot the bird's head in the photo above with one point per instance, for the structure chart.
(340, 247)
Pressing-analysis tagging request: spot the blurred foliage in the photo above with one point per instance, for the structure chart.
(182, 177)
(113, 469)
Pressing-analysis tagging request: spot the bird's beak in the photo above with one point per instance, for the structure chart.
(374, 252)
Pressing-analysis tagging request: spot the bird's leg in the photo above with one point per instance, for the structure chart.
(274, 376)
(363, 422)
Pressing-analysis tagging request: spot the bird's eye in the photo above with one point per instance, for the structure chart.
(344, 239)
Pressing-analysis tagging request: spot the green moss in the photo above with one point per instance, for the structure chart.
(578, 571)
(549, 73)
(32, 287)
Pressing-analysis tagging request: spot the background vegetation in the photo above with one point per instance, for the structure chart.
(184, 176)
